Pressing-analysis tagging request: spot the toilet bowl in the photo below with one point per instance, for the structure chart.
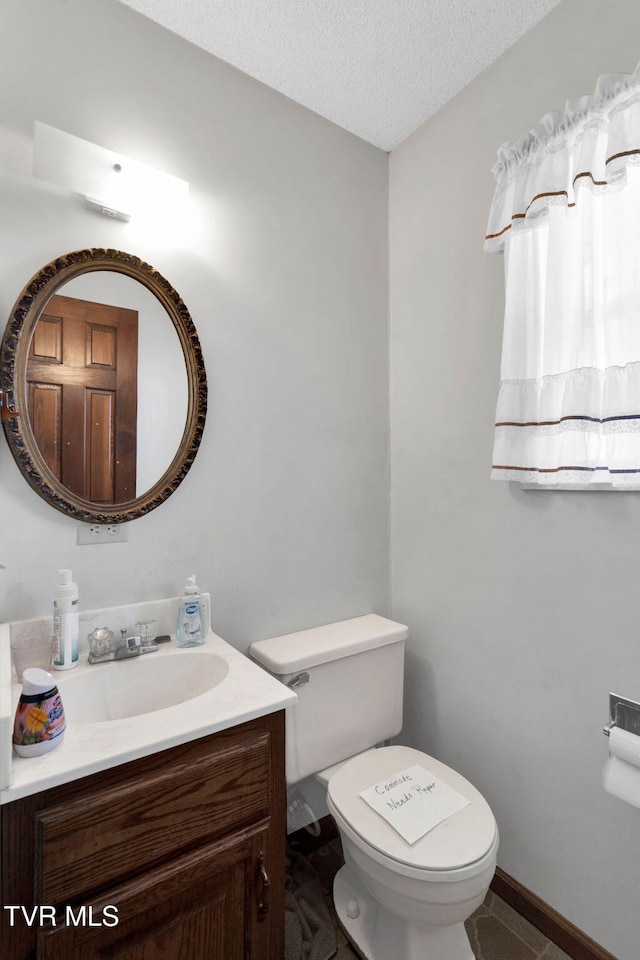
(409, 902)
(395, 900)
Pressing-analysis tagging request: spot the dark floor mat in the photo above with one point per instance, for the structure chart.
(309, 930)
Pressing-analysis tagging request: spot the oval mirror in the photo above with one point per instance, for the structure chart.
(104, 389)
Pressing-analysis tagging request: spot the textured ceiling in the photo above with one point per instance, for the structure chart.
(378, 68)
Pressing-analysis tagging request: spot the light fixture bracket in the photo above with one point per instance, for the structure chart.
(99, 207)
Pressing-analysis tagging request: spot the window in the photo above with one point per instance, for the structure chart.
(566, 214)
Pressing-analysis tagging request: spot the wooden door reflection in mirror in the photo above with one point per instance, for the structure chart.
(82, 396)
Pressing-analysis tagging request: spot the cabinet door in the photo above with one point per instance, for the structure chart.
(202, 906)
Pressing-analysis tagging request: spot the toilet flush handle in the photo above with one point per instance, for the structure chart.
(299, 680)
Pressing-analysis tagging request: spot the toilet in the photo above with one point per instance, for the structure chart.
(395, 900)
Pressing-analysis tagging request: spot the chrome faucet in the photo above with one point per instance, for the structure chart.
(105, 646)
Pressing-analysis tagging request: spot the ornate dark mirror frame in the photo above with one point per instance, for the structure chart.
(13, 386)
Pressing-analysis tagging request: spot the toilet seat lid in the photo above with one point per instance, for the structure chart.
(457, 842)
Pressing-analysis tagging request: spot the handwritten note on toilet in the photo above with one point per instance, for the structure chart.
(414, 801)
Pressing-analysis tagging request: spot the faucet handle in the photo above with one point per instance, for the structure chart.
(101, 641)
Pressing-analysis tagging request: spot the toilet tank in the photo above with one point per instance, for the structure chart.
(353, 697)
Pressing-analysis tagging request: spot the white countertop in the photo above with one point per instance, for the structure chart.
(246, 692)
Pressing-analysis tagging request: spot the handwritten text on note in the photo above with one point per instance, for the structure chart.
(414, 801)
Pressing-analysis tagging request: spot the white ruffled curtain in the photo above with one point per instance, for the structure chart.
(566, 213)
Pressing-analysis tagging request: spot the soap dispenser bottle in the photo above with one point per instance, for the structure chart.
(191, 626)
(66, 622)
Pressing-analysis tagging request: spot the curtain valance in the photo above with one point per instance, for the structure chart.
(590, 144)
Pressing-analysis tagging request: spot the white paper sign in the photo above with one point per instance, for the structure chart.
(414, 801)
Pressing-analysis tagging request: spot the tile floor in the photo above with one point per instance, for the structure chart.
(495, 930)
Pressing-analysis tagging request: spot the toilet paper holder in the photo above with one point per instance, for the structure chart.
(624, 714)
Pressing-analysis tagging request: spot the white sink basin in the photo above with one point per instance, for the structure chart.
(144, 684)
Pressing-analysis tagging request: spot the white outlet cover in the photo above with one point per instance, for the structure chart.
(89, 533)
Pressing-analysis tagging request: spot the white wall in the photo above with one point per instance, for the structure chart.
(522, 606)
(284, 515)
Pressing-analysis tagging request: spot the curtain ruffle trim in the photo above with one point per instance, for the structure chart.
(584, 400)
(555, 129)
(578, 427)
(590, 145)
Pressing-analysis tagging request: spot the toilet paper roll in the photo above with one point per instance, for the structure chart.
(621, 775)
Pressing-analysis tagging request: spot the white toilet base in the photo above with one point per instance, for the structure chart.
(379, 935)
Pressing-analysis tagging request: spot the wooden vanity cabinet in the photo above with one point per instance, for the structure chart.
(176, 856)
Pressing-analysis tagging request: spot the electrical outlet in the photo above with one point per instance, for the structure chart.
(101, 533)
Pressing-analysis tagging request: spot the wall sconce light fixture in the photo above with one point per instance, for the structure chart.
(108, 182)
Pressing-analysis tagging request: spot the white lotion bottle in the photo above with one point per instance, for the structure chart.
(66, 622)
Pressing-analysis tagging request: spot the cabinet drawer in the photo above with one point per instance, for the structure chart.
(209, 789)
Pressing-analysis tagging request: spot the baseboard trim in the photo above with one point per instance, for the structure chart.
(548, 921)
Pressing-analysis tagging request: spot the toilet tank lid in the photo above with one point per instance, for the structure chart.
(309, 648)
